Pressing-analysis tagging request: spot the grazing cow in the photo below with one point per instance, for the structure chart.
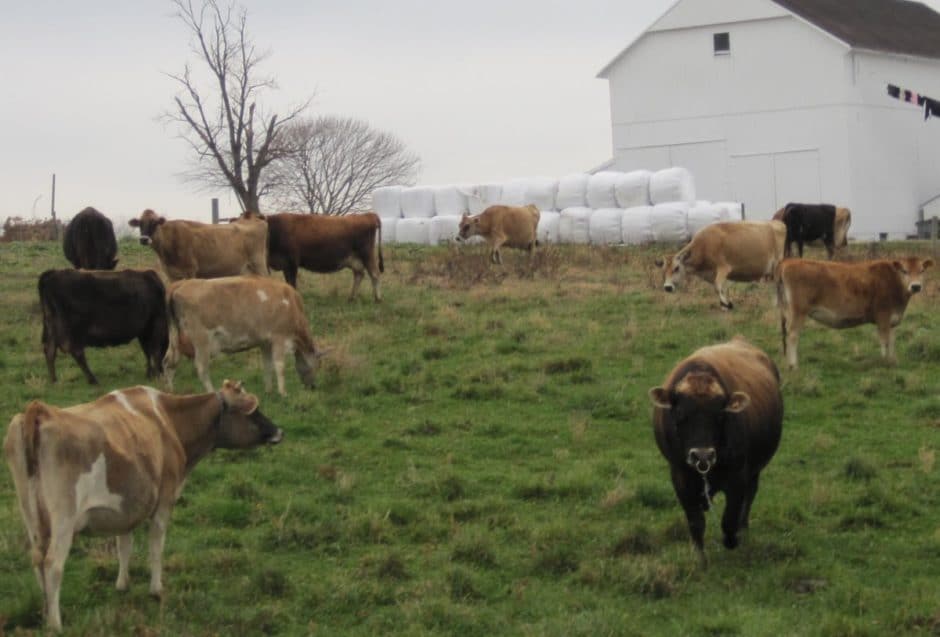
(100, 309)
(189, 249)
(326, 243)
(730, 251)
(844, 295)
(811, 222)
(89, 242)
(511, 226)
(717, 420)
(233, 314)
(112, 464)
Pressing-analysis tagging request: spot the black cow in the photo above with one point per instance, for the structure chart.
(89, 242)
(812, 222)
(100, 309)
(717, 420)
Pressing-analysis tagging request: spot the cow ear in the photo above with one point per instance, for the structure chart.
(659, 262)
(133, 223)
(738, 402)
(659, 396)
(248, 403)
(685, 256)
(161, 221)
(897, 265)
(927, 263)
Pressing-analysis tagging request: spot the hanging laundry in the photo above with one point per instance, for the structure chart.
(931, 106)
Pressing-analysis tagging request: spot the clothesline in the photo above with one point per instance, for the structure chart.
(931, 106)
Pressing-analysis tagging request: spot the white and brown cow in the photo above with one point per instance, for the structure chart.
(233, 314)
(110, 465)
(730, 251)
(844, 295)
(511, 226)
(189, 249)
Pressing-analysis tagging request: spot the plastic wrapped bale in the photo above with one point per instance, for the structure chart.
(490, 194)
(514, 193)
(389, 226)
(574, 225)
(572, 191)
(600, 190)
(732, 210)
(672, 184)
(547, 232)
(703, 214)
(449, 201)
(669, 222)
(443, 229)
(413, 230)
(636, 225)
(605, 227)
(540, 191)
(417, 202)
(632, 189)
(386, 201)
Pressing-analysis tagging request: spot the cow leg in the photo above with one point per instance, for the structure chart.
(372, 267)
(171, 359)
(278, 351)
(689, 496)
(358, 274)
(830, 248)
(49, 349)
(78, 353)
(799, 244)
(267, 362)
(794, 323)
(158, 524)
(721, 277)
(886, 336)
(125, 544)
(59, 546)
(290, 274)
(201, 359)
(750, 493)
(144, 345)
(731, 518)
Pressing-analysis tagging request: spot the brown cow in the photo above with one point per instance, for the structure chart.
(233, 314)
(844, 295)
(189, 249)
(511, 226)
(326, 243)
(729, 251)
(110, 465)
(811, 222)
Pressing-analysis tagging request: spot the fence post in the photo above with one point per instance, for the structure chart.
(215, 210)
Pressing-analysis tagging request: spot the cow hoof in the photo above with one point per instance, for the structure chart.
(730, 542)
(727, 306)
(157, 595)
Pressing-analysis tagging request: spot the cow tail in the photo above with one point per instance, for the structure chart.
(782, 304)
(28, 489)
(36, 413)
(381, 260)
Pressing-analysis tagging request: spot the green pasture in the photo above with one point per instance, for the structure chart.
(478, 459)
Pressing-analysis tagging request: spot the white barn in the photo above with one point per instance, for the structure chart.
(771, 101)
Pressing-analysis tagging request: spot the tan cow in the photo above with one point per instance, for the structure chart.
(112, 464)
(844, 295)
(511, 226)
(815, 222)
(730, 251)
(189, 249)
(233, 314)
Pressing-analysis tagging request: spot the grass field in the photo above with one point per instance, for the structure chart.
(478, 459)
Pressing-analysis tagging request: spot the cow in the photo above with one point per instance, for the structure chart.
(89, 242)
(511, 226)
(324, 244)
(82, 308)
(233, 314)
(842, 295)
(189, 249)
(729, 251)
(811, 222)
(110, 465)
(717, 420)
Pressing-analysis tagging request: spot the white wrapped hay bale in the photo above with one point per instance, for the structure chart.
(605, 227)
(574, 225)
(547, 231)
(572, 191)
(514, 193)
(669, 222)
(600, 190)
(443, 229)
(636, 225)
(703, 214)
(632, 189)
(386, 201)
(449, 201)
(540, 192)
(672, 184)
(732, 210)
(389, 225)
(417, 202)
(489, 194)
(413, 230)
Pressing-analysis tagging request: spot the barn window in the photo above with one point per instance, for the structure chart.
(722, 43)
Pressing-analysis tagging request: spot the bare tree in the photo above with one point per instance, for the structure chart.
(337, 162)
(233, 138)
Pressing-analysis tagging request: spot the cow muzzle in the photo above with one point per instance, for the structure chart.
(277, 437)
(669, 287)
(916, 287)
(145, 241)
(702, 459)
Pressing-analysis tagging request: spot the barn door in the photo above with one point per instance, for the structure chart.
(797, 177)
(752, 183)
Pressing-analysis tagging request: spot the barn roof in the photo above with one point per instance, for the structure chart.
(890, 26)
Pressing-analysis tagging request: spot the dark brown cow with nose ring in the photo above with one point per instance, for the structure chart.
(717, 420)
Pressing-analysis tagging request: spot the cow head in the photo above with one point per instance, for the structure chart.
(673, 269)
(469, 227)
(911, 270)
(241, 423)
(148, 223)
(697, 406)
